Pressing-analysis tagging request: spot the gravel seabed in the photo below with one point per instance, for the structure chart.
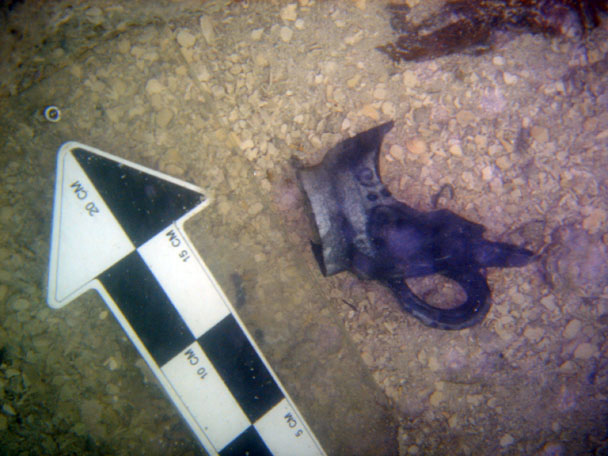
(224, 95)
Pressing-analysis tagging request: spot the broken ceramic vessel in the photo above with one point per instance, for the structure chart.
(363, 229)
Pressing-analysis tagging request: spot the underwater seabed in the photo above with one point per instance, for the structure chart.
(224, 95)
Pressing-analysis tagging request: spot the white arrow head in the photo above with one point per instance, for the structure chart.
(87, 238)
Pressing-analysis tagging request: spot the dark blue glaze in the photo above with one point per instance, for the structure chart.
(365, 230)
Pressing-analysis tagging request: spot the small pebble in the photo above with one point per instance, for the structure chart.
(247, 144)
(487, 174)
(153, 86)
(164, 117)
(203, 74)
(540, 134)
(95, 15)
(568, 367)
(465, 118)
(585, 351)
(509, 78)
(173, 169)
(286, 34)
(549, 303)
(352, 82)
(436, 398)
(388, 108)
(572, 329)
(185, 38)
(506, 440)
(124, 46)
(111, 363)
(481, 141)
(353, 39)
(251, 154)
(369, 111)
(503, 163)
(416, 146)
(397, 152)
(594, 221)
(8, 409)
(533, 334)
(503, 327)
(380, 93)
(289, 13)
(20, 304)
(498, 60)
(256, 34)
(261, 60)
(410, 79)
(455, 150)
(474, 399)
(207, 29)
(453, 421)
(255, 208)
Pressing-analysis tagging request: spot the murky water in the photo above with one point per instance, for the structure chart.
(224, 95)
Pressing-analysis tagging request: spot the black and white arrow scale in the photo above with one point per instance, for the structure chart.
(118, 229)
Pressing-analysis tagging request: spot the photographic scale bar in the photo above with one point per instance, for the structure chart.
(118, 229)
